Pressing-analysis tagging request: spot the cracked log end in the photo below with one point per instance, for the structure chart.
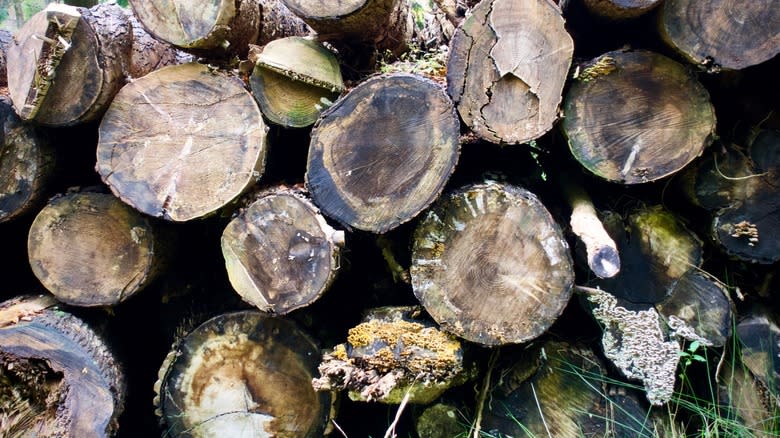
(490, 264)
(91, 249)
(181, 142)
(382, 153)
(279, 252)
(507, 67)
(643, 119)
(242, 371)
(56, 376)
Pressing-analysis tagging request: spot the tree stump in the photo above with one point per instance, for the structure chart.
(508, 63)
(279, 252)
(726, 34)
(621, 9)
(181, 142)
(294, 80)
(26, 164)
(636, 116)
(219, 29)
(68, 63)
(490, 264)
(242, 374)
(383, 152)
(91, 249)
(57, 378)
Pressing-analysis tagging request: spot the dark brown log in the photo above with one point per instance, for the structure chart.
(294, 80)
(26, 164)
(621, 9)
(490, 264)
(242, 374)
(6, 39)
(507, 67)
(383, 152)
(67, 63)
(392, 356)
(659, 118)
(279, 252)
(57, 378)
(181, 142)
(759, 337)
(223, 28)
(748, 402)
(725, 34)
(91, 249)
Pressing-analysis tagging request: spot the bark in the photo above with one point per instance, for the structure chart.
(294, 80)
(223, 29)
(57, 378)
(148, 53)
(490, 264)
(26, 164)
(724, 34)
(383, 152)
(6, 39)
(169, 158)
(68, 63)
(279, 252)
(507, 68)
(91, 249)
(241, 372)
(621, 9)
(660, 117)
(278, 22)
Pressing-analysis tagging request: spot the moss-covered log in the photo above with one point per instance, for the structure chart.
(242, 374)
(490, 264)
(728, 34)
(659, 117)
(57, 378)
(508, 63)
(383, 152)
(279, 252)
(26, 164)
(91, 249)
(181, 142)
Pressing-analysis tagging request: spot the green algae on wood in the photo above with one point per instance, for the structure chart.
(490, 264)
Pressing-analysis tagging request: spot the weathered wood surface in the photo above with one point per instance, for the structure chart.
(507, 67)
(91, 249)
(57, 378)
(490, 264)
(242, 374)
(659, 117)
(383, 152)
(181, 142)
(279, 251)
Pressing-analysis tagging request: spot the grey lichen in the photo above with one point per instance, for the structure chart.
(635, 342)
(682, 330)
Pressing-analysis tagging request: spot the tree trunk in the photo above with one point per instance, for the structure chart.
(26, 164)
(169, 158)
(294, 80)
(56, 376)
(383, 152)
(91, 249)
(279, 252)
(278, 22)
(6, 39)
(242, 374)
(223, 29)
(659, 119)
(150, 54)
(490, 264)
(508, 63)
(621, 9)
(726, 34)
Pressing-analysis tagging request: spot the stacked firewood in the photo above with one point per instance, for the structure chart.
(296, 218)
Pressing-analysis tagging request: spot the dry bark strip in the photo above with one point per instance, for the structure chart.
(659, 118)
(238, 372)
(490, 264)
(728, 34)
(279, 252)
(508, 63)
(383, 152)
(91, 249)
(57, 377)
(181, 142)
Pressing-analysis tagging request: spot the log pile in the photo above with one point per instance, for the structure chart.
(399, 217)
